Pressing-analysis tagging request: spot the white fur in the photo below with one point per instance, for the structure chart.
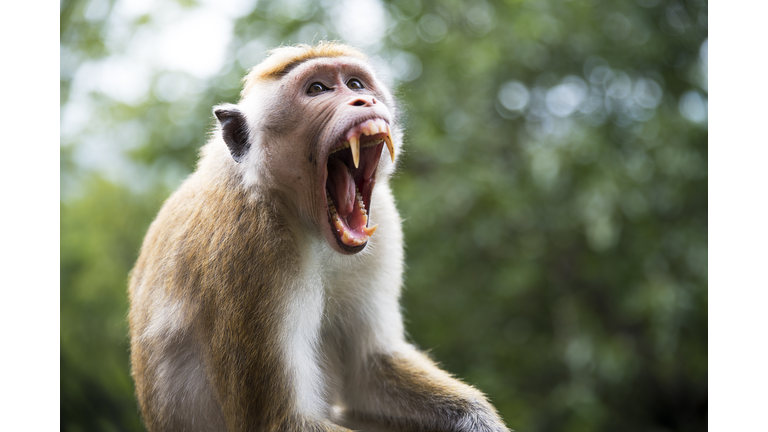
(301, 333)
(355, 294)
(180, 371)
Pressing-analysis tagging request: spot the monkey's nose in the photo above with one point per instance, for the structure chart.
(363, 101)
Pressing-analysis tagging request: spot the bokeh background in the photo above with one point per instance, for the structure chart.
(553, 188)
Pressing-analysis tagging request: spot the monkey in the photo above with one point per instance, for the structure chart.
(266, 292)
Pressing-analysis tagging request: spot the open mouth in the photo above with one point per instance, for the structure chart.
(351, 177)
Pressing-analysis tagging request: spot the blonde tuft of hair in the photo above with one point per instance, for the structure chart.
(280, 60)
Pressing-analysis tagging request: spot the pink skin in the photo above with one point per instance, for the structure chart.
(342, 186)
(303, 127)
(347, 110)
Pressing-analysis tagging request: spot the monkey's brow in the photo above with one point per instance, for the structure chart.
(288, 68)
(277, 74)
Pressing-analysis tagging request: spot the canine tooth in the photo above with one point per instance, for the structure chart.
(369, 231)
(390, 146)
(354, 143)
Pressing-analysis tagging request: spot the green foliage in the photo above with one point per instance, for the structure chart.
(556, 249)
(100, 237)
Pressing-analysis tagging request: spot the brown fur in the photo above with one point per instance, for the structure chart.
(425, 396)
(205, 240)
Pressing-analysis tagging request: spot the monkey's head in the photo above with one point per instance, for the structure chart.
(310, 132)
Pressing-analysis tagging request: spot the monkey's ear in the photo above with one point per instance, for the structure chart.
(234, 130)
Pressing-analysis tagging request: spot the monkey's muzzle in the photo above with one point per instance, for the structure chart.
(351, 177)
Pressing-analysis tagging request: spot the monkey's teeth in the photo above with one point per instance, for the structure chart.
(331, 206)
(344, 145)
(352, 241)
(354, 143)
(372, 143)
(369, 231)
(367, 128)
(361, 204)
(349, 236)
(390, 146)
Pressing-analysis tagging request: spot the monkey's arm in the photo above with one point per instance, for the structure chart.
(406, 389)
(253, 383)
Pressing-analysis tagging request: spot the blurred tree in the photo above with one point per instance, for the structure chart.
(553, 188)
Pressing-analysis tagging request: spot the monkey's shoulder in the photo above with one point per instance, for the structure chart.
(206, 229)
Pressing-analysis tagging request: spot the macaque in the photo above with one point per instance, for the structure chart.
(266, 294)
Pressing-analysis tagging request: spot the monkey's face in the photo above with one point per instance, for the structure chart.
(332, 123)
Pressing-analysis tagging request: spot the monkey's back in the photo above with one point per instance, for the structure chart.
(212, 256)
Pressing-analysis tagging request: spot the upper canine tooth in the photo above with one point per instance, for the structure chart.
(354, 143)
(390, 146)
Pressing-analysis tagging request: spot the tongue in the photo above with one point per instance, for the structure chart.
(341, 186)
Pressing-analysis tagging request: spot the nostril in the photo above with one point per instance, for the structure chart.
(358, 102)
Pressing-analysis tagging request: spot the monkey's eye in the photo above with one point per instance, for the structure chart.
(355, 84)
(317, 88)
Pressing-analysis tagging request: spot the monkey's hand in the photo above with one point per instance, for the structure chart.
(407, 390)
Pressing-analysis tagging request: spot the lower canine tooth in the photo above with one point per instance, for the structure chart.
(369, 231)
